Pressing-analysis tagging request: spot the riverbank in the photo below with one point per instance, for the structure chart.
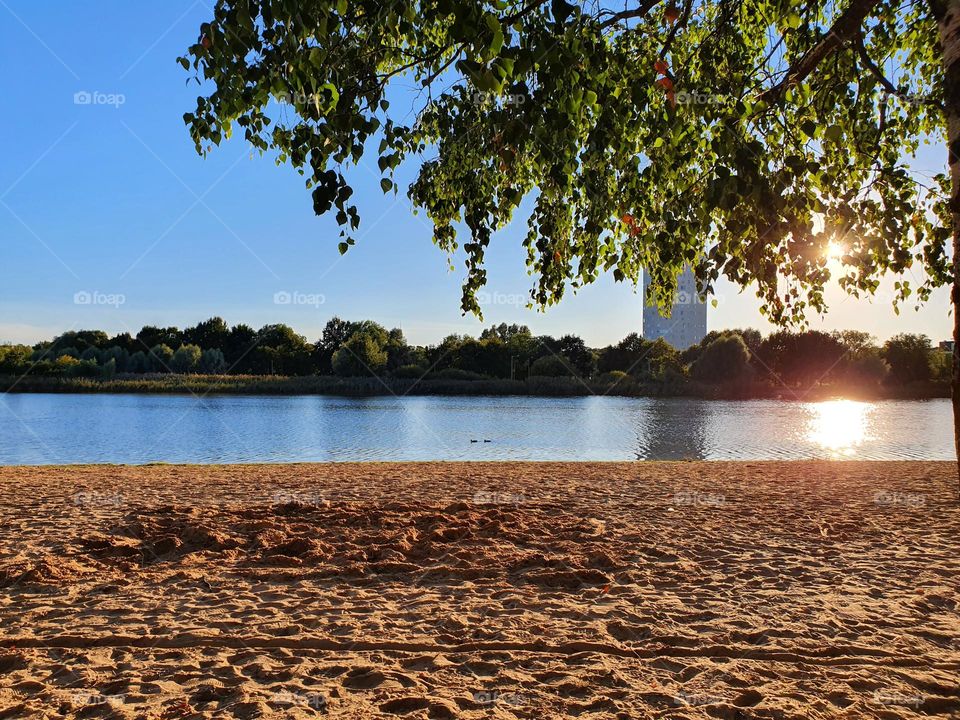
(477, 590)
(625, 386)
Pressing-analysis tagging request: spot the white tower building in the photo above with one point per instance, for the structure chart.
(687, 324)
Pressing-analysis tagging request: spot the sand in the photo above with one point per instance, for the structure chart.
(481, 590)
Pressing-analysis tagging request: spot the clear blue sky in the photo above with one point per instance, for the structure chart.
(112, 199)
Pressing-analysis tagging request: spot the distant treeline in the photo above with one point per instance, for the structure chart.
(360, 357)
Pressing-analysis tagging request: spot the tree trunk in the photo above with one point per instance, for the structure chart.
(947, 15)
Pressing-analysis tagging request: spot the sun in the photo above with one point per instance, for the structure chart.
(834, 250)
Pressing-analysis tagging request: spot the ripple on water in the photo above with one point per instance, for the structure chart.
(54, 428)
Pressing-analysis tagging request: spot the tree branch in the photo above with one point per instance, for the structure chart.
(884, 81)
(639, 11)
(846, 27)
(510, 19)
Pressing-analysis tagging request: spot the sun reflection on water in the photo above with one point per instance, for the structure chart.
(838, 426)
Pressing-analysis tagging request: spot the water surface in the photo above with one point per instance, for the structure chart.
(37, 429)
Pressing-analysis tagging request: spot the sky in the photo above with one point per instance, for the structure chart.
(110, 220)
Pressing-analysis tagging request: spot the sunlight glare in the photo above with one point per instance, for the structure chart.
(835, 250)
(839, 426)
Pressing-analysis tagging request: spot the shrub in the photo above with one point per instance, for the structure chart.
(616, 382)
(559, 386)
(456, 374)
(414, 372)
(550, 366)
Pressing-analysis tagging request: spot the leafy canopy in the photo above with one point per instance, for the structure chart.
(740, 137)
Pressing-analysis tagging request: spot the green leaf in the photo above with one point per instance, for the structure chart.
(386, 185)
(561, 11)
(833, 132)
(496, 41)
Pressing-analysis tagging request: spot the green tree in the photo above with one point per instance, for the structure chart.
(726, 358)
(801, 359)
(212, 362)
(662, 358)
(238, 347)
(909, 356)
(940, 365)
(863, 363)
(108, 369)
(186, 359)
(443, 356)
(857, 343)
(399, 353)
(150, 336)
(139, 363)
(495, 358)
(870, 369)
(81, 340)
(550, 366)
(282, 351)
(575, 350)
(209, 334)
(505, 332)
(119, 356)
(626, 356)
(158, 359)
(335, 333)
(15, 359)
(125, 341)
(360, 356)
(743, 138)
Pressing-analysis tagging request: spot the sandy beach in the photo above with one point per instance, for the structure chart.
(481, 590)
